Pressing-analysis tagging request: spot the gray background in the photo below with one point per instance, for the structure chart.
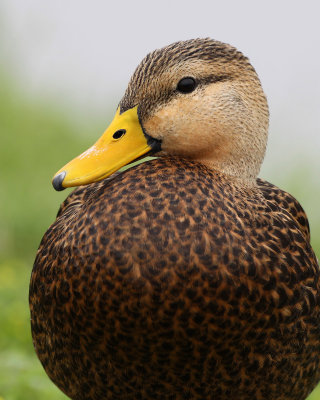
(82, 54)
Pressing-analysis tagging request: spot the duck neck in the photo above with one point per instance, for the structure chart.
(239, 173)
(241, 160)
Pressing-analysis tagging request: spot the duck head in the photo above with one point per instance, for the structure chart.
(198, 99)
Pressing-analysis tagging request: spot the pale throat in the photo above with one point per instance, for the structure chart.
(238, 156)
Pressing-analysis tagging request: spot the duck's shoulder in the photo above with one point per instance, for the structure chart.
(277, 198)
(80, 196)
(161, 177)
(190, 184)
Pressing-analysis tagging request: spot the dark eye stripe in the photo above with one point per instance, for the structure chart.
(188, 84)
(215, 78)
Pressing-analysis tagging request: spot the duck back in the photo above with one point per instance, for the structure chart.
(172, 282)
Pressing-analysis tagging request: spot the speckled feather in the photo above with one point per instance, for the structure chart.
(168, 282)
(157, 63)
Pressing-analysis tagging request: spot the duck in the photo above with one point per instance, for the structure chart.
(185, 276)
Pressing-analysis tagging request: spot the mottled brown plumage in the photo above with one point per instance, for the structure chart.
(182, 279)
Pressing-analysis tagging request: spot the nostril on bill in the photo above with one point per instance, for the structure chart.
(119, 133)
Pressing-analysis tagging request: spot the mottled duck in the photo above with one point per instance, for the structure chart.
(184, 277)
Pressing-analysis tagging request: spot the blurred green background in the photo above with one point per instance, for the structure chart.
(39, 134)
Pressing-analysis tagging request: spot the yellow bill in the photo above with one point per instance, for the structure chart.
(122, 143)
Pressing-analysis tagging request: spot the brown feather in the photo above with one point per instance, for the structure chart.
(185, 277)
(168, 282)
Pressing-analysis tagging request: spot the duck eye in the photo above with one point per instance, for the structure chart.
(119, 133)
(186, 85)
